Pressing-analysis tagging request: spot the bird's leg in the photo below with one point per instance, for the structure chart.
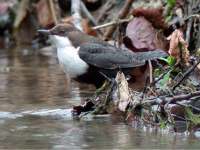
(103, 87)
(105, 84)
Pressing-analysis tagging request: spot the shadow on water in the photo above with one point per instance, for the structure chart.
(35, 102)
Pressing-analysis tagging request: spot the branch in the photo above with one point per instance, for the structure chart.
(122, 14)
(53, 13)
(88, 14)
(114, 22)
(108, 5)
(174, 99)
(75, 11)
(186, 74)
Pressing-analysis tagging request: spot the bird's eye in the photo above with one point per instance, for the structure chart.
(62, 31)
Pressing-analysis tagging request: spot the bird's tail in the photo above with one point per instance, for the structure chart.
(151, 55)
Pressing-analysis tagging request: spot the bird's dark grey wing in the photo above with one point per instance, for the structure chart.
(107, 57)
(110, 57)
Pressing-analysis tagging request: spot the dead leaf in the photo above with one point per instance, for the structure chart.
(44, 13)
(141, 36)
(178, 47)
(122, 92)
(153, 15)
(87, 28)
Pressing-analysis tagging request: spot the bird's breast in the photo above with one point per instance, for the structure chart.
(70, 61)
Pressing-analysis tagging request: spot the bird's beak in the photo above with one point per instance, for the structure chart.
(44, 31)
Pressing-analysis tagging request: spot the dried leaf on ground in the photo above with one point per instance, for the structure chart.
(122, 92)
(178, 47)
(141, 36)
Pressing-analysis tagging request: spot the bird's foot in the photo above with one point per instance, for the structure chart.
(102, 88)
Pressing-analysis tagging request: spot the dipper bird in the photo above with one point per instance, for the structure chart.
(85, 58)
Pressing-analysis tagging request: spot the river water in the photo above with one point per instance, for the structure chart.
(35, 111)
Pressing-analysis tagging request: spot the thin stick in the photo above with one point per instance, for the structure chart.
(122, 14)
(150, 71)
(192, 16)
(145, 87)
(88, 14)
(108, 5)
(52, 9)
(174, 99)
(185, 75)
(75, 11)
(185, 105)
(114, 22)
(160, 77)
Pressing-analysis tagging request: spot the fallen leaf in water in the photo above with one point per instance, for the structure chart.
(178, 47)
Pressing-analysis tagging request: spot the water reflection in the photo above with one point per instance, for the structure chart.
(34, 111)
(32, 78)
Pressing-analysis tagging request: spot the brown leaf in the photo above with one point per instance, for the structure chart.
(87, 28)
(153, 15)
(141, 36)
(122, 92)
(44, 13)
(178, 47)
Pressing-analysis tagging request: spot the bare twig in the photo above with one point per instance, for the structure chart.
(108, 5)
(111, 23)
(53, 12)
(174, 99)
(122, 14)
(192, 16)
(160, 77)
(186, 74)
(88, 14)
(150, 71)
(75, 10)
(168, 100)
(188, 105)
(145, 87)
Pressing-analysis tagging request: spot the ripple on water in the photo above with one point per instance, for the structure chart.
(54, 113)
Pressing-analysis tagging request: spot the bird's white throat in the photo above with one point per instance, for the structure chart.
(68, 56)
(60, 41)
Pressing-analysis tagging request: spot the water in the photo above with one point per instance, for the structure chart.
(35, 111)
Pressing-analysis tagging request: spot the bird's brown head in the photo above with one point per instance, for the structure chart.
(60, 34)
(59, 30)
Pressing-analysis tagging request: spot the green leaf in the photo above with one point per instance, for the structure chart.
(170, 60)
(157, 72)
(171, 3)
(194, 118)
(165, 79)
(163, 124)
